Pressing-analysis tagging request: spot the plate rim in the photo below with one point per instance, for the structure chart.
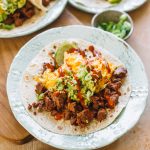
(95, 11)
(59, 28)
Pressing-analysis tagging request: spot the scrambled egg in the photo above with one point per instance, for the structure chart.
(77, 64)
(106, 70)
(74, 60)
(48, 79)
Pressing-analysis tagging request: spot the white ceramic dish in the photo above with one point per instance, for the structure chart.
(35, 23)
(125, 5)
(111, 15)
(127, 119)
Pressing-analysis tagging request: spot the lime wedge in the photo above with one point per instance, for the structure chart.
(59, 55)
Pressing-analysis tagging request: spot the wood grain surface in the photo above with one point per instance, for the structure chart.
(9, 127)
(136, 139)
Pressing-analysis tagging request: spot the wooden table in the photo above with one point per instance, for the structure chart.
(137, 139)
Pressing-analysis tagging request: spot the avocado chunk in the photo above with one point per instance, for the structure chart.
(114, 1)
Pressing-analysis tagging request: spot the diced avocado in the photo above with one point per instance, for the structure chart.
(59, 56)
(60, 85)
(13, 5)
(40, 96)
(88, 87)
(6, 26)
(21, 3)
(8, 7)
(72, 90)
(114, 1)
(3, 16)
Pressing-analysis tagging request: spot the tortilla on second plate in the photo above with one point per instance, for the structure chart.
(94, 3)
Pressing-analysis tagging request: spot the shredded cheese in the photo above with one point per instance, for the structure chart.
(48, 79)
(74, 60)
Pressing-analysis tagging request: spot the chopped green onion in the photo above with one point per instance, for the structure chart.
(120, 28)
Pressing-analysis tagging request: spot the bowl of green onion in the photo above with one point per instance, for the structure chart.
(117, 22)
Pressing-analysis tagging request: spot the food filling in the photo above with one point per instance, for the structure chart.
(81, 89)
(14, 13)
(121, 28)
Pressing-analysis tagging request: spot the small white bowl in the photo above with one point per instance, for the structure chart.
(111, 15)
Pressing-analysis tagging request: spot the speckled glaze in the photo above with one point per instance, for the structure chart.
(127, 119)
(36, 22)
(125, 5)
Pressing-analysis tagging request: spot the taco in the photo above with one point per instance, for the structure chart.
(14, 13)
(72, 87)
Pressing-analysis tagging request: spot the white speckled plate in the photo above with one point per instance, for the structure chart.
(124, 5)
(127, 119)
(38, 21)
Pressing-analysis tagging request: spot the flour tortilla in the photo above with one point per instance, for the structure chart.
(64, 127)
(38, 4)
(94, 3)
